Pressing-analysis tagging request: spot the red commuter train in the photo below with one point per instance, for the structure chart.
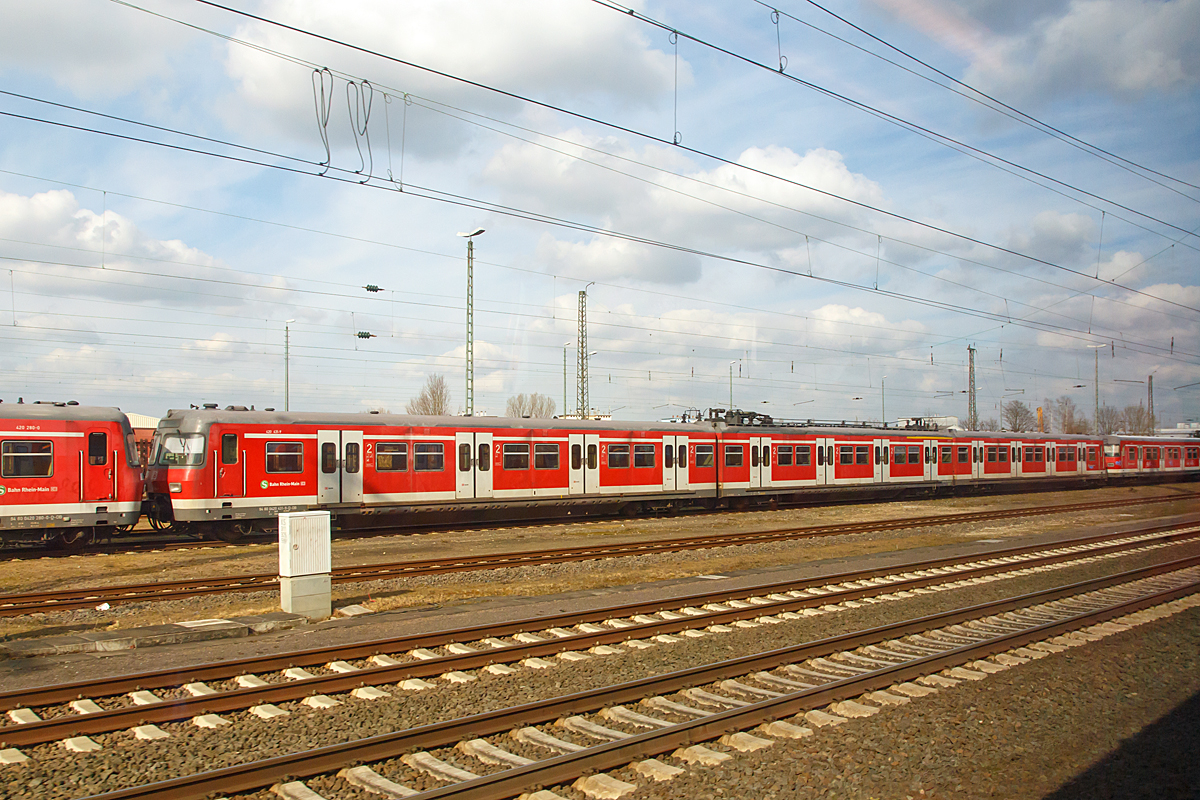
(67, 473)
(225, 472)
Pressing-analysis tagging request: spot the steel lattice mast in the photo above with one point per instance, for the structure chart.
(582, 390)
(972, 414)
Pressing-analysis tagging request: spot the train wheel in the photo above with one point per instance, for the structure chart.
(230, 531)
(73, 539)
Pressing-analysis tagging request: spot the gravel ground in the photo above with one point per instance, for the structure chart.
(100, 570)
(123, 761)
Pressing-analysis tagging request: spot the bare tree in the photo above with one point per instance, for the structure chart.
(1068, 417)
(1135, 419)
(537, 406)
(989, 424)
(1108, 420)
(1018, 417)
(1045, 413)
(434, 398)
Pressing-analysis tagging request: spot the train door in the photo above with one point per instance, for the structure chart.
(231, 466)
(760, 462)
(472, 465)
(577, 464)
(931, 456)
(881, 458)
(977, 455)
(1051, 456)
(1014, 463)
(668, 464)
(339, 473)
(591, 463)
(824, 454)
(96, 468)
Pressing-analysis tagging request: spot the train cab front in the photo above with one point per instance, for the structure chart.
(178, 487)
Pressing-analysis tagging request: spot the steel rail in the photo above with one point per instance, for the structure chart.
(239, 699)
(507, 783)
(320, 655)
(42, 602)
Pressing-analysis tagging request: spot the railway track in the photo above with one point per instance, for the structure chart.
(412, 658)
(48, 602)
(499, 753)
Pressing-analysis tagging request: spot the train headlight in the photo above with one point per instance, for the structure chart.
(175, 488)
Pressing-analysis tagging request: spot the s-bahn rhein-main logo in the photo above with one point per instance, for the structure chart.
(262, 485)
(2, 490)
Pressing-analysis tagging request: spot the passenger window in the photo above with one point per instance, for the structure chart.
(877, 456)
(683, 456)
(391, 457)
(328, 457)
(754, 456)
(98, 448)
(464, 457)
(668, 456)
(484, 462)
(229, 448)
(576, 456)
(593, 457)
(820, 456)
(766, 456)
(886, 454)
(545, 456)
(352, 459)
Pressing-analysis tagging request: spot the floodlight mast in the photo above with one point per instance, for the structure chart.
(470, 237)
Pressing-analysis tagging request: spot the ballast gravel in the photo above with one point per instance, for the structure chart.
(125, 761)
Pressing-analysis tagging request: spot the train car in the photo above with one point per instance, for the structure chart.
(69, 474)
(1132, 456)
(228, 471)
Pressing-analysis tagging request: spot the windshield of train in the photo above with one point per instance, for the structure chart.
(180, 450)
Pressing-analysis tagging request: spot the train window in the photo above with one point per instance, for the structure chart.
(946, 455)
(26, 459)
(683, 456)
(862, 454)
(229, 448)
(429, 456)
(484, 462)
(754, 455)
(181, 450)
(845, 454)
(885, 454)
(576, 456)
(766, 455)
(618, 456)
(516, 456)
(803, 455)
(964, 455)
(328, 457)
(1002, 454)
(391, 457)
(643, 455)
(733, 455)
(877, 455)
(1132, 454)
(927, 454)
(821, 456)
(704, 455)
(593, 460)
(900, 456)
(285, 456)
(353, 462)
(1039, 453)
(545, 456)
(97, 448)
(784, 457)
(668, 456)
(464, 457)
(914, 454)
(1071, 454)
(1091, 454)
(991, 454)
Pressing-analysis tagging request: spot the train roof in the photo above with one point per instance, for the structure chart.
(62, 411)
(199, 420)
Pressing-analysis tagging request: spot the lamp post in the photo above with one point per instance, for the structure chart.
(883, 399)
(287, 336)
(470, 237)
(566, 347)
(731, 363)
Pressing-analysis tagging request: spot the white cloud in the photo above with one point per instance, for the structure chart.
(1126, 48)
(91, 48)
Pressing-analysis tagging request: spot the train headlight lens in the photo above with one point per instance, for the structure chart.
(175, 488)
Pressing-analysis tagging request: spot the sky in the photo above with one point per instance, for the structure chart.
(815, 209)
